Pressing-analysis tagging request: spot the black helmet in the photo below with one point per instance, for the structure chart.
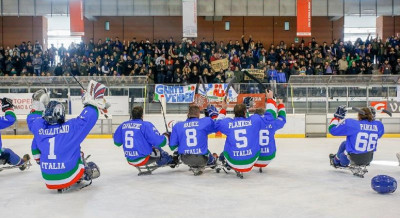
(54, 113)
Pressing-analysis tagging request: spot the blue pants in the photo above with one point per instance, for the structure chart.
(211, 159)
(164, 159)
(341, 157)
(9, 157)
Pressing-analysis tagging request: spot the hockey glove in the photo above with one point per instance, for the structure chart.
(6, 104)
(167, 134)
(94, 95)
(40, 99)
(341, 112)
(249, 102)
(212, 111)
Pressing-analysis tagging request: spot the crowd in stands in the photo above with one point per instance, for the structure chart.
(169, 61)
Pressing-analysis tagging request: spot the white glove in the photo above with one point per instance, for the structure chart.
(94, 95)
(40, 99)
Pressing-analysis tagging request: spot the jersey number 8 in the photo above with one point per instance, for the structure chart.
(191, 139)
(366, 142)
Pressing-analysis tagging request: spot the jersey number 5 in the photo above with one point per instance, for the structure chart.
(366, 142)
(240, 137)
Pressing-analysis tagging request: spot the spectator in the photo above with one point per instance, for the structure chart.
(58, 71)
(343, 65)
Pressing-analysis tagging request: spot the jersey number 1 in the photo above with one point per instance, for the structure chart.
(52, 143)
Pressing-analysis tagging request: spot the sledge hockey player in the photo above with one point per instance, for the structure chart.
(267, 132)
(57, 143)
(361, 136)
(7, 156)
(242, 147)
(190, 139)
(142, 143)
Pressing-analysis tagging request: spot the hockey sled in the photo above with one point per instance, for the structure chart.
(27, 165)
(151, 166)
(225, 167)
(91, 172)
(358, 163)
(197, 163)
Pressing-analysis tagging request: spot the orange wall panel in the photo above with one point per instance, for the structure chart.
(139, 27)
(166, 27)
(236, 29)
(260, 28)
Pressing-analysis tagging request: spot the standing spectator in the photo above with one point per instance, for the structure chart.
(353, 69)
(397, 71)
(37, 64)
(105, 69)
(343, 65)
(386, 68)
(161, 71)
(58, 71)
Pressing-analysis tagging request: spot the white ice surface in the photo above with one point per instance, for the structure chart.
(298, 183)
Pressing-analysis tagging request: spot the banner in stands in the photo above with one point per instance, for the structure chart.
(220, 64)
(258, 99)
(304, 18)
(76, 18)
(119, 105)
(175, 94)
(22, 102)
(257, 73)
(392, 106)
(216, 92)
(189, 13)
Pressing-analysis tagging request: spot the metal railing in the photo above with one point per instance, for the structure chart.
(303, 94)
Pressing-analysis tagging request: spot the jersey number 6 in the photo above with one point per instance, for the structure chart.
(366, 142)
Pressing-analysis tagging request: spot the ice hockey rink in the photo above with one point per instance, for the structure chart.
(298, 183)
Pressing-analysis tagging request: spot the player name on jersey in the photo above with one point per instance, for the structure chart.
(131, 126)
(191, 124)
(54, 131)
(239, 123)
(369, 127)
(242, 153)
(52, 166)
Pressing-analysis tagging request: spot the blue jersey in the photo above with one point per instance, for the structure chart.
(138, 138)
(270, 126)
(191, 136)
(267, 134)
(59, 146)
(5, 121)
(242, 137)
(362, 136)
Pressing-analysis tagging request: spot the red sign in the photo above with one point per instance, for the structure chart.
(379, 105)
(304, 18)
(258, 99)
(76, 18)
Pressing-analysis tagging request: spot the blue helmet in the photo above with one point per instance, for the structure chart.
(384, 184)
(54, 113)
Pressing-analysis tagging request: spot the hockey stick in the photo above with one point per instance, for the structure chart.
(78, 81)
(229, 87)
(204, 87)
(165, 120)
(131, 106)
(358, 110)
(257, 81)
(387, 112)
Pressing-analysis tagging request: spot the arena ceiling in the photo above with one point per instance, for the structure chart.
(333, 8)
